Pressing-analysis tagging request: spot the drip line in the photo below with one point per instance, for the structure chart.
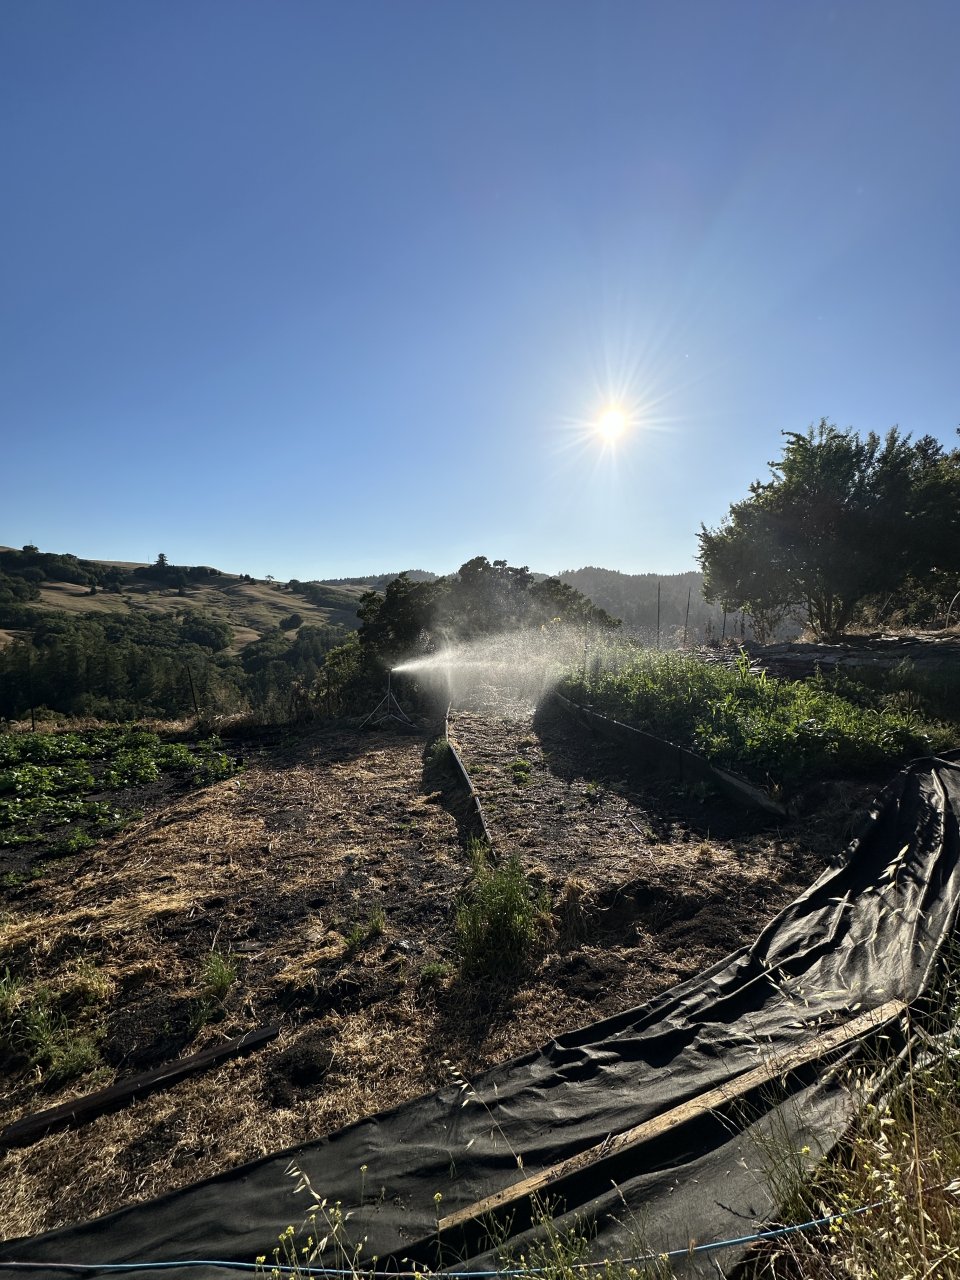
(267, 1270)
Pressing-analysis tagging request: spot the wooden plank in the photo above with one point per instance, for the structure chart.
(820, 1045)
(465, 775)
(81, 1110)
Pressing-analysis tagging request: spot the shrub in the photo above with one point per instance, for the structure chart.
(219, 975)
(438, 753)
(499, 924)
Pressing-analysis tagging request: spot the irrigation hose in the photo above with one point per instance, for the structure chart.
(339, 1273)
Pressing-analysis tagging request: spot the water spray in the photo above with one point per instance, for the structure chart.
(515, 665)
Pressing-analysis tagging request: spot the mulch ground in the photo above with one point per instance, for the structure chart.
(329, 873)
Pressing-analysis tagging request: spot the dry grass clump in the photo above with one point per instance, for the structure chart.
(891, 1196)
(572, 924)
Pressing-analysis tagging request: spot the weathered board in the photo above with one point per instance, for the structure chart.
(816, 1047)
(82, 1110)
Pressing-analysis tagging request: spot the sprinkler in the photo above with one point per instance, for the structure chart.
(388, 708)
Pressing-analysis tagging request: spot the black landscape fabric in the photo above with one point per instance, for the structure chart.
(871, 929)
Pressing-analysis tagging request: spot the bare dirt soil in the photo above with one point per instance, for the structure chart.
(327, 876)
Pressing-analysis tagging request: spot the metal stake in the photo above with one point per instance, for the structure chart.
(388, 708)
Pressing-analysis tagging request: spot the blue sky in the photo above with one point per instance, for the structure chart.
(318, 289)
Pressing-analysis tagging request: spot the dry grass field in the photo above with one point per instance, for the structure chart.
(249, 607)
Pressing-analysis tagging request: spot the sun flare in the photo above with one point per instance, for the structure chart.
(612, 424)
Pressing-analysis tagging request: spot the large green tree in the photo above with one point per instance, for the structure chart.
(482, 598)
(844, 520)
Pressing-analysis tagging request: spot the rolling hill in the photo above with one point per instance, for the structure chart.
(34, 582)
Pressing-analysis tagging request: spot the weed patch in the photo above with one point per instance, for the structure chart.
(901, 1161)
(778, 732)
(361, 933)
(433, 973)
(36, 1034)
(499, 924)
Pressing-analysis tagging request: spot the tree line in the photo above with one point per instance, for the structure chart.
(131, 666)
(415, 616)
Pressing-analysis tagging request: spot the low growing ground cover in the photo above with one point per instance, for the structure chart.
(778, 732)
(59, 792)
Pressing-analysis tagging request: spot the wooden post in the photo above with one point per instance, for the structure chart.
(686, 618)
(812, 1049)
(193, 693)
(33, 713)
(658, 615)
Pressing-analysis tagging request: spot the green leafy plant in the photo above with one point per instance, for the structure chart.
(46, 779)
(775, 731)
(75, 842)
(520, 770)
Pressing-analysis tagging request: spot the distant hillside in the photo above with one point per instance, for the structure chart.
(33, 582)
(377, 581)
(632, 597)
(117, 640)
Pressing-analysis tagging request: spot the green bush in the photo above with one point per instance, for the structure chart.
(779, 731)
(438, 753)
(498, 925)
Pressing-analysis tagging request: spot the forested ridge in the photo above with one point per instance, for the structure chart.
(633, 598)
(161, 639)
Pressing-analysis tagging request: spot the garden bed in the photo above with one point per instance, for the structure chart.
(319, 889)
(780, 734)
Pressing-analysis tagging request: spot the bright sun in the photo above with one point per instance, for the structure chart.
(612, 423)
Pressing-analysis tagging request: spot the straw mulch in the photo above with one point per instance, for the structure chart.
(327, 877)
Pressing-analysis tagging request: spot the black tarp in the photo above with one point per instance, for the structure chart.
(869, 930)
